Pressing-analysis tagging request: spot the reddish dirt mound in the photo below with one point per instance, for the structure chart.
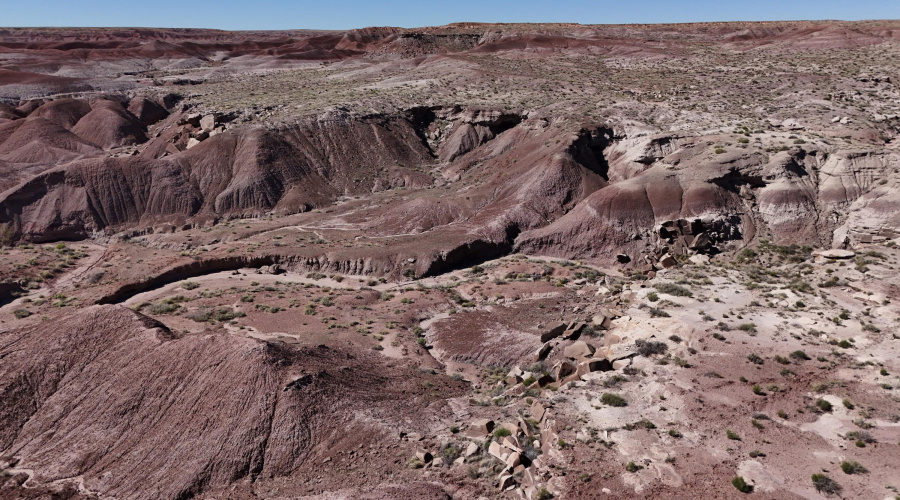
(211, 409)
(108, 125)
(38, 140)
(147, 111)
(63, 112)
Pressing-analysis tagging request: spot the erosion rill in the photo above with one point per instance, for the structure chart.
(466, 261)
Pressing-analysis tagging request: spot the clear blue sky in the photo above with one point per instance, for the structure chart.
(344, 14)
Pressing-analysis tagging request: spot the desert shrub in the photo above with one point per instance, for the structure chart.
(826, 485)
(652, 297)
(612, 399)
(163, 308)
(650, 347)
(741, 485)
(673, 289)
(500, 432)
(614, 381)
(95, 278)
(658, 313)
(755, 359)
(799, 355)
(213, 314)
(22, 313)
(861, 436)
(747, 327)
(450, 452)
(853, 467)
(189, 285)
(632, 467)
(823, 404)
(732, 435)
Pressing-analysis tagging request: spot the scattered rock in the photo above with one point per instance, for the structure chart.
(555, 331)
(837, 253)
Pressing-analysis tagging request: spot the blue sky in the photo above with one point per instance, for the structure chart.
(345, 14)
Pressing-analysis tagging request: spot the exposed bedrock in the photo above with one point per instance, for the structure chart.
(246, 172)
(804, 197)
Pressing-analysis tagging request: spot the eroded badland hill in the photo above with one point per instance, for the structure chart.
(469, 261)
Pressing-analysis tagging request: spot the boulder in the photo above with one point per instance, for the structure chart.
(208, 123)
(554, 331)
(480, 428)
(667, 261)
(699, 259)
(514, 460)
(523, 426)
(563, 370)
(574, 330)
(837, 253)
(621, 364)
(424, 456)
(537, 411)
(545, 381)
(601, 322)
(700, 243)
(543, 351)
(472, 449)
(497, 451)
(507, 482)
(512, 443)
(579, 349)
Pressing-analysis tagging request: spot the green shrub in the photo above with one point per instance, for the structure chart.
(747, 327)
(189, 285)
(501, 432)
(823, 405)
(853, 467)
(673, 289)
(632, 467)
(732, 435)
(650, 347)
(826, 485)
(611, 399)
(213, 314)
(741, 485)
(22, 313)
(799, 355)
